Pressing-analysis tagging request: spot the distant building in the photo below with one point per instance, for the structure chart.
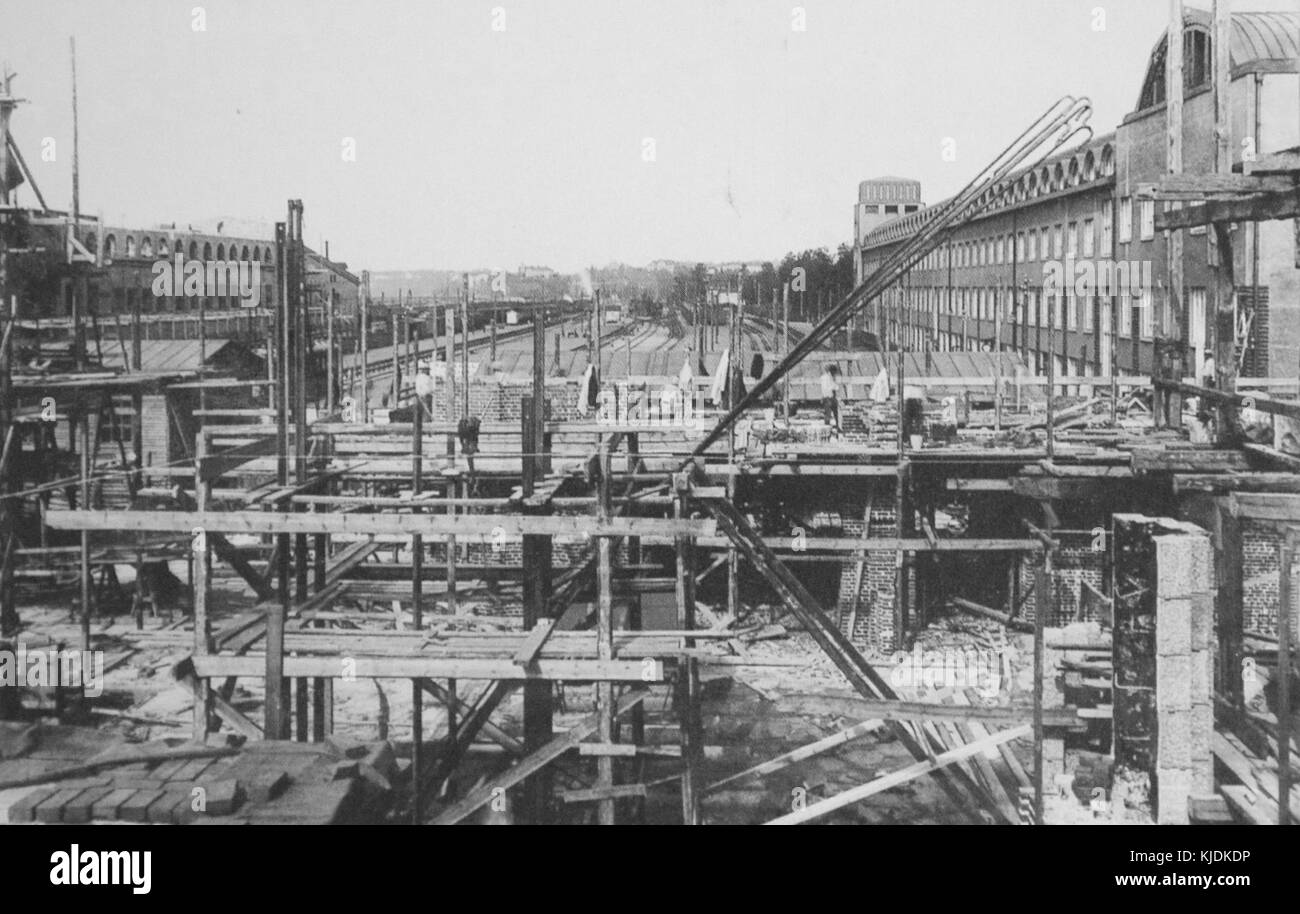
(880, 200)
(121, 283)
(985, 285)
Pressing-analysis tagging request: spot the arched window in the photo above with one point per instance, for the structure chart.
(1107, 161)
(207, 250)
(90, 242)
(1073, 176)
(179, 247)
(1058, 177)
(130, 246)
(221, 252)
(194, 250)
(163, 247)
(1089, 166)
(110, 245)
(244, 254)
(146, 247)
(257, 253)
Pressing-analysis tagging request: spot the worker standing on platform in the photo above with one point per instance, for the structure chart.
(830, 381)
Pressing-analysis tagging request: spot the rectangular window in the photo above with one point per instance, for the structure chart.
(1148, 216)
(1087, 238)
(1058, 311)
(1107, 230)
(1045, 243)
(1071, 312)
(1020, 246)
(1072, 240)
(1125, 220)
(1125, 314)
(1147, 317)
(1031, 243)
(1058, 243)
(1087, 303)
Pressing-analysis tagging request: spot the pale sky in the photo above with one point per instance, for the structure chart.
(478, 146)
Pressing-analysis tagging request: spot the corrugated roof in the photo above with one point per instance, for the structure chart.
(1256, 36)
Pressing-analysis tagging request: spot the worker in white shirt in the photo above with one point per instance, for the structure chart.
(1208, 370)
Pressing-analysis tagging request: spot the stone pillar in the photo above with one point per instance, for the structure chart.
(1164, 623)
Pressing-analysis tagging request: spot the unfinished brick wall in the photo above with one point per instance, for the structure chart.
(1163, 651)
(874, 625)
(1076, 562)
(1261, 558)
(499, 401)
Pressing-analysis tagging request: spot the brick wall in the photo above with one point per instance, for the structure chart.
(500, 401)
(1261, 567)
(874, 625)
(1073, 564)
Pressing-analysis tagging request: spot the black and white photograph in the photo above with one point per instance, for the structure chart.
(698, 412)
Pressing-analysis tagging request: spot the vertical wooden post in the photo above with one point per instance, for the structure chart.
(1051, 374)
(998, 316)
(1174, 166)
(785, 345)
(276, 723)
(1224, 325)
(450, 328)
(330, 366)
(417, 606)
(1230, 604)
(298, 308)
(1113, 367)
(1042, 605)
(902, 513)
(687, 686)
(605, 810)
(363, 346)
(538, 715)
(199, 553)
(540, 462)
(395, 390)
(83, 418)
(1285, 600)
(598, 321)
(464, 349)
